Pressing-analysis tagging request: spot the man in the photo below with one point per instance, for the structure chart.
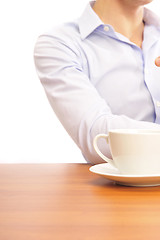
(100, 72)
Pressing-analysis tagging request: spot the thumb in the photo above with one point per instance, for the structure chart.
(157, 61)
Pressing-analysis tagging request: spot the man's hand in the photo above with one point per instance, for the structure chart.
(157, 61)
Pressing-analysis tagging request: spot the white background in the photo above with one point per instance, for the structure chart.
(29, 129)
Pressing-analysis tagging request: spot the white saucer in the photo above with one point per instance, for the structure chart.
(109, 172)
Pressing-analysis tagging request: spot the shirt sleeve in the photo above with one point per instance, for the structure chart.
(74, 99)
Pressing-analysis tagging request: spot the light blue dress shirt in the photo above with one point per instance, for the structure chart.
(96, 79)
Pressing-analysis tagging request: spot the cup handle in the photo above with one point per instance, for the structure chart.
(105, 136)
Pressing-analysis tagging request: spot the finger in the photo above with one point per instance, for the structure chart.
(157, 61)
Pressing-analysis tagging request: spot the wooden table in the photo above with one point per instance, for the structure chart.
(66, 201)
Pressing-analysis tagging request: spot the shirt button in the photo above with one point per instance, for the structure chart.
(146, 71)
(106, 28)
(158, 104)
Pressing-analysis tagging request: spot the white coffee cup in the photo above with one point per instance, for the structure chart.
(134, 151)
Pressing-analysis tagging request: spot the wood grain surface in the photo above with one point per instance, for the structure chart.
(66, 201)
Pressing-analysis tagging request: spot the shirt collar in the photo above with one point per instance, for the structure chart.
(89, 20)
(150, 18)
